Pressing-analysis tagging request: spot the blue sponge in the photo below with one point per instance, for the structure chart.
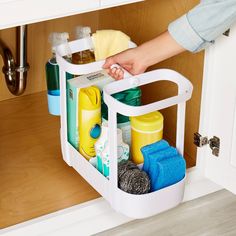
(163, 164)
(169, 171)
(158, 157)
(152, 148)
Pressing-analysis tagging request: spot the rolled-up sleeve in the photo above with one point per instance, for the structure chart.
(203, 24)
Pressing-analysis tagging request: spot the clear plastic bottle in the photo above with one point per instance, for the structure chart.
(86, 56)
(52, 71)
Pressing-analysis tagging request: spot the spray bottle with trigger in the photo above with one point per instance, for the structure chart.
(86, 56)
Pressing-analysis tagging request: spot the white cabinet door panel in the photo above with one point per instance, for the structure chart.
(21, 12)
(221, 72)
(233, 151)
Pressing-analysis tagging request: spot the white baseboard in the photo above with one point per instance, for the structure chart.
(83, 219)
(96, 215)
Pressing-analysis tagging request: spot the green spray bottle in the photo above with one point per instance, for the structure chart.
(52, 71)
(130, 97)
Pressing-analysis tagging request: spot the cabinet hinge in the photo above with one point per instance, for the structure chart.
(227, 32)
(214, 143)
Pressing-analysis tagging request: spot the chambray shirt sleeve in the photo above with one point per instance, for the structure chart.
(203, 24)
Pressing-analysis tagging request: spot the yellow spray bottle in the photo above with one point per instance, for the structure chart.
(89, 120)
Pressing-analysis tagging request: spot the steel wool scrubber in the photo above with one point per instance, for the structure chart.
(131, 179)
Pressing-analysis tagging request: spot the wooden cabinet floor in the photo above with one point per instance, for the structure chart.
(34, 180)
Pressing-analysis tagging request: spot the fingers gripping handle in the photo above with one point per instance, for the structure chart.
(126, 73)
(84, 68)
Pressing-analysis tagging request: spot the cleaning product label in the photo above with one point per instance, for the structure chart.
(90, 132)
(95, 76)
(123, 152)
(100, 79)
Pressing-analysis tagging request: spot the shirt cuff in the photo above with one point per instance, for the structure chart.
(184, 34)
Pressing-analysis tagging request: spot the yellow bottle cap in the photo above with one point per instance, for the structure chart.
(149, 122)
(90, 98)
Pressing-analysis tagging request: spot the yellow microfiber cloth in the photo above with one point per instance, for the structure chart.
(109, 42)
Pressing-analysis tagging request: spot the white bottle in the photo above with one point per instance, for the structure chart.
(122, 153)
(125, 128)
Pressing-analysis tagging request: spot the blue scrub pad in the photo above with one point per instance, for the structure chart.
(152, 148)
(169, 171)
(154, 158)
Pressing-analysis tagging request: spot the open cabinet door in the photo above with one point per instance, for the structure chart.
(220, 74)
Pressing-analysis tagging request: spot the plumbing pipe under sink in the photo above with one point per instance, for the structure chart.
(16, 71)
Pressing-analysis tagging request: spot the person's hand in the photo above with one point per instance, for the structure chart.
(137, 60)
(129, 60)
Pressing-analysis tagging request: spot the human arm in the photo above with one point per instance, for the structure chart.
(193, 31)
(138, 59)
(198, 29)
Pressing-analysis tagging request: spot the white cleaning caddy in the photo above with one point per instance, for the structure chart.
(135, 206)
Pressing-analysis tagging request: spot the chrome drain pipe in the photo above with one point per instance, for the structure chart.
(16, 71)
